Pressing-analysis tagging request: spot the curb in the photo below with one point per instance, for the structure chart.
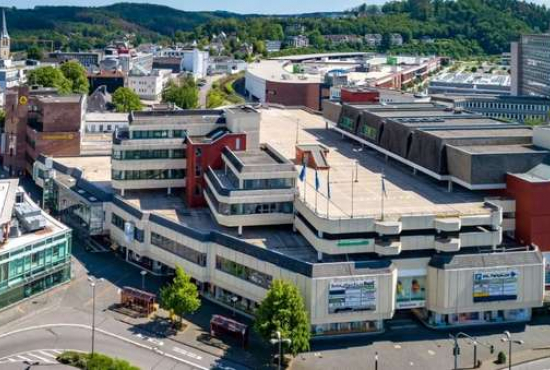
(194, 346)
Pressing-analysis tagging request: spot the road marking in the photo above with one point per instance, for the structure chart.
(397, 346)
(48, 354)
(105, 332)
(24, 358)
(430, 352)
(46, 360)
(187, 353)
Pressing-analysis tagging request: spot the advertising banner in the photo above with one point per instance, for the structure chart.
(352, 295)
(491, 286)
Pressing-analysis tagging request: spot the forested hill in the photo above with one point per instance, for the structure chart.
(459, 27)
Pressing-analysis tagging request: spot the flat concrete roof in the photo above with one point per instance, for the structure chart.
(278, 238)
(489, 133)
(406, 193)
(499, 149)
(273, 70)
(256, 158)
(94, 168)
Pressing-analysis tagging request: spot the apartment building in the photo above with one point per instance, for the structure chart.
(530, 65)
(36, 248)
(360, 235)
(39, 121)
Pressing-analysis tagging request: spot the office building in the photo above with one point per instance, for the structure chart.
(36, 248)
(39, 121)
(359, 246)
(530, 65)
(87, 59)
(470, 83)
(148, 84)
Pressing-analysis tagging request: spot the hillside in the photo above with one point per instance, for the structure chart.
(459, 27)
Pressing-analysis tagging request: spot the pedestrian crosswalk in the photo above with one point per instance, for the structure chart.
(39, 356)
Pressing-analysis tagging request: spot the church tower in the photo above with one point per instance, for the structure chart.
(4, 39)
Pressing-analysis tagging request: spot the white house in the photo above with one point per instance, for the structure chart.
(148, 85)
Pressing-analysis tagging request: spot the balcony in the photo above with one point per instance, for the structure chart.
(387, 248)
(449, 244)
(450, 224)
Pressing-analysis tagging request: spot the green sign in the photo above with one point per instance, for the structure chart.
(353, 242)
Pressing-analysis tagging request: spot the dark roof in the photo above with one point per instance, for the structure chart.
(449, 262)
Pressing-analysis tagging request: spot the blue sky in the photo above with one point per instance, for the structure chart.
(239, 6)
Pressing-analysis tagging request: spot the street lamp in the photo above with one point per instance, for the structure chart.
(279, 339)
(376, 360)
(475, 343)
(93, 284)
(508, 338)
(143, 273)
(234, 300)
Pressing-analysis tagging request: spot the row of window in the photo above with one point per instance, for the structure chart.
(249, 208)
(148, 174)
(178, 249)
(243, 272)
(158, 134)
(149, 154)
(509, 106)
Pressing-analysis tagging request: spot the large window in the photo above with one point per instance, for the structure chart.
(178, 249)
(148, 174)
(258, 184)
(148, 154)
(243, 272)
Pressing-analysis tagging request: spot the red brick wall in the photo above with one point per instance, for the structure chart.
(359, 96)
(211, 156)
(59, 117)
(532, 211)
(294, 94)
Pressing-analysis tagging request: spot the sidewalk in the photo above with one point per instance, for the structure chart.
(519, 357)
(196, 335)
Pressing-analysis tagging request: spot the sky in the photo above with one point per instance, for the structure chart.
(238, 6)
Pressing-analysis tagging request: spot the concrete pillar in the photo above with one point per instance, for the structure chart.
(319, 256)
(240, 230)
(450, 186)
(169, 191)
(122, 192)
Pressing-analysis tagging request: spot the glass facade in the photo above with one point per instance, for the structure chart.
(149, 174)
(243, 272)
(535, 65)
(178, 249)
(34, 268)
(249, 208)
(148, 154)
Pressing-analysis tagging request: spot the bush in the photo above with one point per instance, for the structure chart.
(501, 358)
(97, 362)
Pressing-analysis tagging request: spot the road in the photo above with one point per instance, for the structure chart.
(543, 364)
(203, 91)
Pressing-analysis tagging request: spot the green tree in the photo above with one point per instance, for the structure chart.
(126, 100)
(49, 77)
(215, 98)
(77, 75)
(35, 53)
(185, 95)
(181, 296)
(283, 310)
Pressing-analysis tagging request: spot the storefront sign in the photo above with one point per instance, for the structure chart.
(352, 295)
(58, 137)
(490, 286)
(354, 242)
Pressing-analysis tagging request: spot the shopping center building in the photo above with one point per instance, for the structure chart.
(362, 231)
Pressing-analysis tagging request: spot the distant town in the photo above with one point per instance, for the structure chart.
(228, 202)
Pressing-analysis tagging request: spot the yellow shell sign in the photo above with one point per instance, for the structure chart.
(23, 100)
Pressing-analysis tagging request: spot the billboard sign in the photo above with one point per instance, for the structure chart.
(357, 294)
(491, 286)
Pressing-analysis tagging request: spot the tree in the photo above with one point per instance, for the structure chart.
(181, 296)
(49, 77)
(77, 75)
(35, 53)
(283, 310)
(184, 95)
(215, 98)
(126, 100)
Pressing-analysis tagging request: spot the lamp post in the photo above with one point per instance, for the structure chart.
(234, 300)
(475, 343)
(280, 340)
(143, 273)
(508, 338)
(93, 283)
(376, 360)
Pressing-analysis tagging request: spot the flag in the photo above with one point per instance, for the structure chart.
(384, 192)
(317, 182)
(303, 173)
(328, 184)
